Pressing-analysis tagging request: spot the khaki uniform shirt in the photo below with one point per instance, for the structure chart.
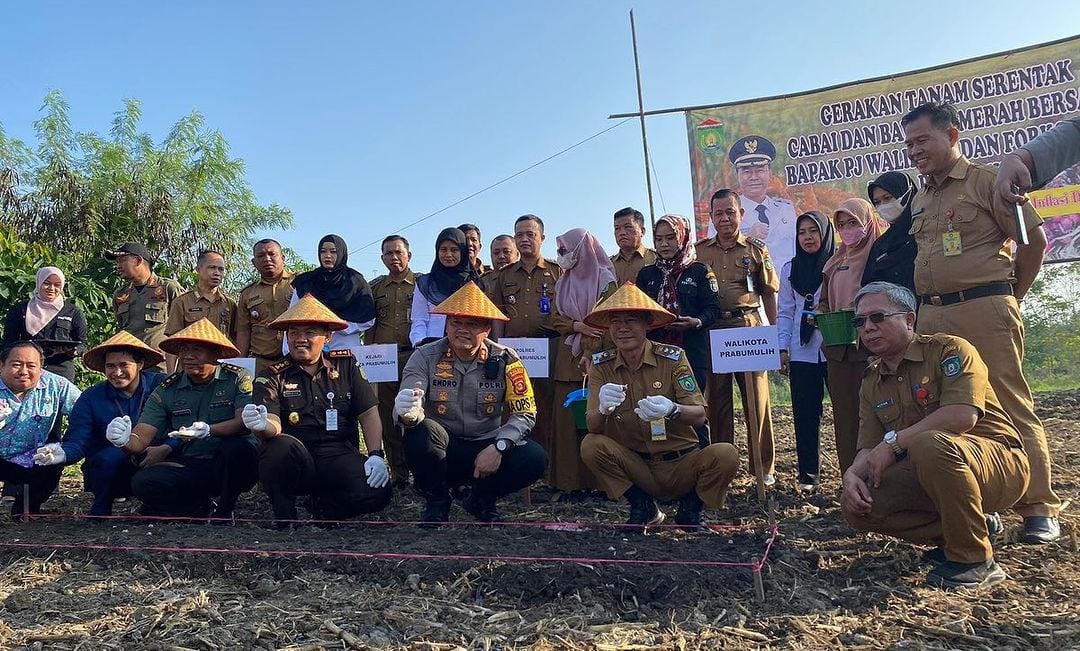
(664, 371)
(143, 311)
(191, 306)
(963, 204)
(746, 263)
(178, 402)
(469, 399)
(937, 370)
(628, 266)
(260, 303)
(393, 302)
(301, 400)
(518, 294)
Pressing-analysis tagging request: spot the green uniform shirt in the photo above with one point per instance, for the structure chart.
(143, 311)
(177, 402)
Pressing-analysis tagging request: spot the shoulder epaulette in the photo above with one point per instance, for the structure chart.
(279, 367)
(603, 356)
(379, 280)
(234, 369)
(703, 241)
(339, 353)
(173, 378)
(872, 365)
(509, 354)
(668, 351)
(759, 243)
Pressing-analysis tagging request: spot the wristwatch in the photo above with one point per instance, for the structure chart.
(675, 412)
(891, 439)
(503, 445)
(376, 453)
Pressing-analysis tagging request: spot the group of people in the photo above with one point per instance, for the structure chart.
(934, 422)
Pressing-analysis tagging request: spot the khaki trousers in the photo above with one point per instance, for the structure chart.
(940, 493)
(993, 325)
(721, 410)
(709, 471)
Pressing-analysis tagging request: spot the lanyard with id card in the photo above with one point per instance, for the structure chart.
(950, 239)
(331, 414)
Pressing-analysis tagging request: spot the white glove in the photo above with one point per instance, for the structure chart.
(194, 431)
(378, 475)
(50, 454)
(611, 396)
(5, 411)
(118, 431)
(409, 405)
(654, 407)
(254, 417)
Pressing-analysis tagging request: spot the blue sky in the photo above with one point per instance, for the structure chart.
(363, 117)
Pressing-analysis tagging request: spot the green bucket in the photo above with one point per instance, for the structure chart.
(577, 402)
(837, 328)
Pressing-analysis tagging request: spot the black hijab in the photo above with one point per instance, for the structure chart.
(342, 289)
(806, 268)
(441, 281)
(892, 257)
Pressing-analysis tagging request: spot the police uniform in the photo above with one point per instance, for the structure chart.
(528, 298)
(743, 272)
(627, 267)
(627, 452)
(964, 274)
(774, 219)
(393, 301)
(222, 467)
(317, 451)
(260, 303)
(143, 310)
(940, 492)
(192, 306)
(465, 406)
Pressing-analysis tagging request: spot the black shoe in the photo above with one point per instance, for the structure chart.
(935, 555)
(436, 509)
(689, 514)
(285, 514)
(482, 507)
(643, 509)
(222, 515)
(1039, 530)
(994, 525)
(951, 574)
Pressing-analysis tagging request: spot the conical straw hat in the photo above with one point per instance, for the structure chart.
(628, 298)
(201, 332)
(122, 341)
(470, 301)
(308, 311)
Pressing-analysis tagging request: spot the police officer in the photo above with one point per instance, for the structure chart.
(393, 294)
(307, 410)
(937, 451)
(525, 292)
(747, 279)
(455, 394)
(644, 406)
(769, 218)
(128, 384)
(206, 301)
(971, 283)
(260, 303)
(200, 405)
(142, 306)
(633, 255)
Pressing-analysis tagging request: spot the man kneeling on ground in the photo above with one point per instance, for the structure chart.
(453, 396)
(644, 405)
(936, 450)
(308, 411)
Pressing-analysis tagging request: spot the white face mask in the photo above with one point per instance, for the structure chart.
(890, 210)
(566, 261)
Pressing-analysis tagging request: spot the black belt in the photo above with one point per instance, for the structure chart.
(737, 313)
(674, 455)
(995, 289)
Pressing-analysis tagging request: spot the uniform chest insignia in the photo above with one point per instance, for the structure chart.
(159, 292)
(745, 262)
(294, 418)
(657, 384)
(883, 404)
(195, 308)
(254, 314)
(443, 396)
(441, 410)
(922, 394)
(334, 374)
(291, 385)
(511, 299)
(687, 280)
(445, 370)
(603, 356)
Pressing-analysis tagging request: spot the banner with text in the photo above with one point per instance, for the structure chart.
(825, 146)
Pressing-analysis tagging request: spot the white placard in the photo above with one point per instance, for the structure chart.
(246, 363)
(379, 361)
(533, 352)
(745, 349)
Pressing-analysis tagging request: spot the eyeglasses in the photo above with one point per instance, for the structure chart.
(875, 318)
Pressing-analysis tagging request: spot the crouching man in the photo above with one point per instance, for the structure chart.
(200, 405)
(309, 410)
(644, 405)
(454, 392)
(936, 450)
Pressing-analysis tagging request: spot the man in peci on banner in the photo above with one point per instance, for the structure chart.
(768, 218)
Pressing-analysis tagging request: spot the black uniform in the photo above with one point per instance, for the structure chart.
(698, 298)
(892, 256)
(68, 325)
(312, 456)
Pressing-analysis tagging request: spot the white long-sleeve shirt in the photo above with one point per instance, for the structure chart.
(789, 316)
(350, 337)
(424, 323)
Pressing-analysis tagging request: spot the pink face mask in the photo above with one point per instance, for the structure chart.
(852, 235)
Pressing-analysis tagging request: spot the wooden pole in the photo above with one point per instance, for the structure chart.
(753, 435)
(641, 117)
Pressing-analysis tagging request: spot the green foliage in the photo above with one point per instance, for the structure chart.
(1052, 328)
